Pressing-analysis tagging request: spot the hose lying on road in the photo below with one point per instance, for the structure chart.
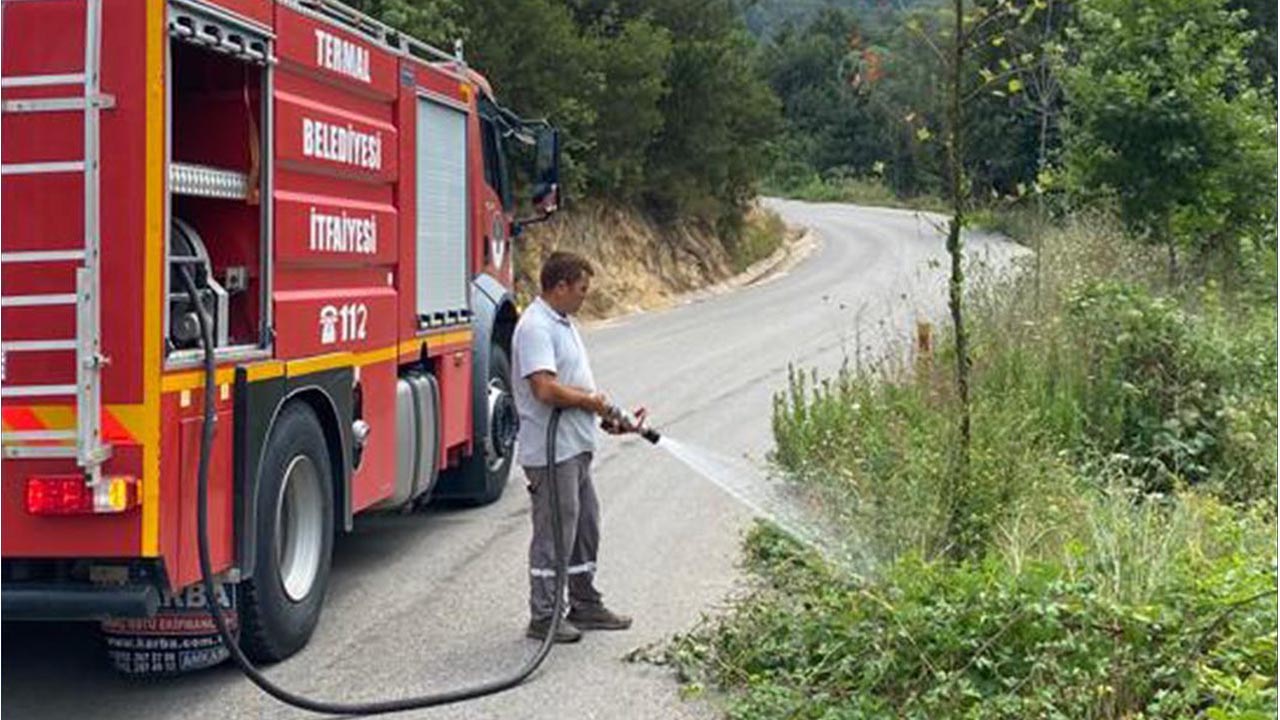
(358, 708)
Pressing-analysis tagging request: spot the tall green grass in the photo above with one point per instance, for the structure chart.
(762, 232)
(851, 189)
(1117, 521)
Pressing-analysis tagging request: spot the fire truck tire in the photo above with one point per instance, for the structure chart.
(485, 472)
(281, 603)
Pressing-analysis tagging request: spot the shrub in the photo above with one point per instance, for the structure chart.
(762, 232)
(941, 640)
(1181, 398)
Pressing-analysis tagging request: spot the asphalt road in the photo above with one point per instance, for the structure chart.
(429, 601)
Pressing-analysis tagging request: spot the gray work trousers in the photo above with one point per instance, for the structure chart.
(580, 515)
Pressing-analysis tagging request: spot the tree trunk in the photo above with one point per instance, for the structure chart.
(960, 533)
(955, 244)
(1045, 96)
(1041, 163)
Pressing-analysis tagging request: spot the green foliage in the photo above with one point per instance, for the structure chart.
(1167, 105)
(435, 21)
(1015, 107)
(719, 116)
(633, 56)
(1084, 594)
(876, 452)
(863, 95)
(829, 124)
(534, 55)
(844, 189)
(1164, 115)
(1181, 397)
(1260, 17)
(661, 104)
(762, 234)
(765, 18)
(938, 640)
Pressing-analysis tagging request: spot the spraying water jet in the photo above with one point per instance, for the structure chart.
(766, 498)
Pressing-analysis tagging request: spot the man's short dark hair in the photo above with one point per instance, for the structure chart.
(564, 266)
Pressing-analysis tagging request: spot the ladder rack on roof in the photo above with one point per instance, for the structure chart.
(395, 40)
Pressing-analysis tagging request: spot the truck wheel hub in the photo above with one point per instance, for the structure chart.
(503, 422)
(299, 528)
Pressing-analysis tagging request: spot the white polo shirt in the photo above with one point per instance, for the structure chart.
(546, 340)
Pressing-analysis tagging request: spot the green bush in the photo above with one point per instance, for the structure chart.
(940, 640)
(1162, 115)
(761, 234)
(1181, 397)
(1100, 379)
(875, 453)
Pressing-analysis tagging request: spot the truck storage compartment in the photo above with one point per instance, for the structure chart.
(218, 162)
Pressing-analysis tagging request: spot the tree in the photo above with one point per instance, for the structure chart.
(965, 85)
(1164, 116)
(955, 247)
(830, 124)
(660, 102)
(1020, 98)
(435, 21)
(1261, 19)
(719, 116)
(632, 56)
(541, 65)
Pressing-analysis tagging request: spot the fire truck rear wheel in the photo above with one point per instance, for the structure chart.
(482, 477)
(282, 601)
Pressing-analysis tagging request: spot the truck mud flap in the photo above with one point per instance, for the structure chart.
(180, 637)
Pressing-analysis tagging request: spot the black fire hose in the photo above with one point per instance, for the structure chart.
(360, 708)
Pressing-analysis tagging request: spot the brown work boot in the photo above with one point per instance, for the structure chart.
(598, 617)
(566, 633)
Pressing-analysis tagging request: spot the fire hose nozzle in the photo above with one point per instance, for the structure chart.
(630, 423)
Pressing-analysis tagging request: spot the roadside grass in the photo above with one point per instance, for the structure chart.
(1117, 523)
(850, 189)
(762, 233)
(1019, 222)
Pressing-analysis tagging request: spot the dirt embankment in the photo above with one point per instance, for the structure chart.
(641, 266)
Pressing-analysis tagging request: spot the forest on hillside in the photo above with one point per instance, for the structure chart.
(687, 109)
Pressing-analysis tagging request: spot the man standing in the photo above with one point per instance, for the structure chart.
(551, 371)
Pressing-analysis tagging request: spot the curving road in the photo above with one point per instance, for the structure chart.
(433, 600)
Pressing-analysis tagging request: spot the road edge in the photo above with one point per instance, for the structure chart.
(800, 242)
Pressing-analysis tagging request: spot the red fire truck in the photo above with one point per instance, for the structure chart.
(341, 193)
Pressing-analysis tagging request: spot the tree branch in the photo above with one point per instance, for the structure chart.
(1222, 618)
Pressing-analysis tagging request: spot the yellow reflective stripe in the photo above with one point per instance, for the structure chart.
(194, 379)
(412, 347)
(319, 363)
(377, 356)
(264, 371)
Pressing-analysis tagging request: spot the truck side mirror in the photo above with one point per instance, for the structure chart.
(546, 174)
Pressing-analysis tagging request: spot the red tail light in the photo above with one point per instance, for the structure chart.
(71, 495)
